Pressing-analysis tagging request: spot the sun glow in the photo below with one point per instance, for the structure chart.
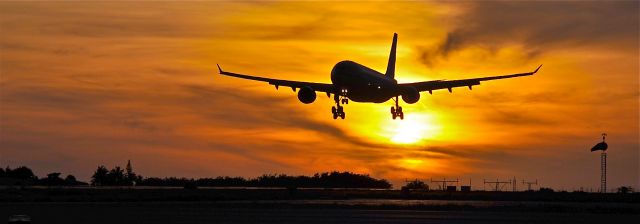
(413, 129)
(419, 163)
(412, 163)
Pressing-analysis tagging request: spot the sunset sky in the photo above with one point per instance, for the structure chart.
(88, 84)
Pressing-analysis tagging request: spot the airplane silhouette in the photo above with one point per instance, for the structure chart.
(356, 82)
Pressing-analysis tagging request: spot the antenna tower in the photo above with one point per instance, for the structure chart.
(444, 182)
(529, 183)
(498, 184)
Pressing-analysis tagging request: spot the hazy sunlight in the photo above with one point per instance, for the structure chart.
(413, 129)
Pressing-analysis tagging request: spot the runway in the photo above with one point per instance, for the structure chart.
(249, 212)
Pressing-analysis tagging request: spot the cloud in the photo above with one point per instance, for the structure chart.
(540, 27)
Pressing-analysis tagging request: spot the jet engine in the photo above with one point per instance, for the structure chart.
(410, 95)
(306, 95)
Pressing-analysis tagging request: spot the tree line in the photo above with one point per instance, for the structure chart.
(117, 176)
(24, 176)
(319, 180)
(127, 177)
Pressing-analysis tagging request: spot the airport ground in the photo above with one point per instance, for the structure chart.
(175, 205)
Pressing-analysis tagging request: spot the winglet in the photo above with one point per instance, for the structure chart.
(219, 69)
(534, 72)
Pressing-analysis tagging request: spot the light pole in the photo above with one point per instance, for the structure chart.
(603, 162)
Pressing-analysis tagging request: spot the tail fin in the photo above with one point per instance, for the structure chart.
(391, 66)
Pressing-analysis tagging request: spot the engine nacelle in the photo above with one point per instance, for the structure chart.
(410, 95)
(306, 95)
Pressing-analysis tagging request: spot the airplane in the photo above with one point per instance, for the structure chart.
(358, 83)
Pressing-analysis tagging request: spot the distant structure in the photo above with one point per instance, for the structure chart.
(529, 183)
(603, 162)
(466, 188)
(444, 183)
(498, 184)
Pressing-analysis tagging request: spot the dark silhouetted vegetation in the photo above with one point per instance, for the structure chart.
(24, 176)
(118, 177)
(319, 180)
(22, 173)
(115, 177)
(18, 176)
(54, 179)
(625, 190)
(415, 185)
(546, 190)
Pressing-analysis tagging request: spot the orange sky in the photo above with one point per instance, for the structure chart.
(84, 84)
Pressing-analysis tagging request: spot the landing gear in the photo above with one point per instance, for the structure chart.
(337, 110)
(397, 110)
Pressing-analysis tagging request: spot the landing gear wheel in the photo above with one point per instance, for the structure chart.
(337, 111)
(396, 111)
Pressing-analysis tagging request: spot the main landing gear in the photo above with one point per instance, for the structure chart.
(397, 110)
(337, 110)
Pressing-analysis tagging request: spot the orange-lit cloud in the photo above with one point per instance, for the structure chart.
(82, 86)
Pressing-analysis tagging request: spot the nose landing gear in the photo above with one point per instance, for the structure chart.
(397, 110)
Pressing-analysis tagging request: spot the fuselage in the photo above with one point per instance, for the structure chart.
(363, 84)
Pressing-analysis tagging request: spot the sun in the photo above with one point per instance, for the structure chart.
(412, 130)
(407, 133)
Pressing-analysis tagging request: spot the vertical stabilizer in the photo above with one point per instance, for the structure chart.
(391, 66)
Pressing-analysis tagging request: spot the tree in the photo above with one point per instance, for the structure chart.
(52, 179)
(115, 177)
(100, 176)
(1, 172)
(415, 185)
(130, 177)
(70, 180)
(22, 173)
(545, 190)
(625, 189)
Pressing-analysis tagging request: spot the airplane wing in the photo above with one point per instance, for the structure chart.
(449, 84)
(321, 87)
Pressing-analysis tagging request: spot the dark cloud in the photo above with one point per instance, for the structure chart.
(207, 100)
(540, 27)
